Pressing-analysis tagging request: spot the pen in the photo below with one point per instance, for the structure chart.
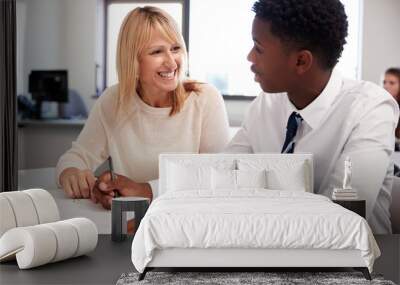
(113, 176)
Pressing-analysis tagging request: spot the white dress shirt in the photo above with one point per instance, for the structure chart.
(349, 118)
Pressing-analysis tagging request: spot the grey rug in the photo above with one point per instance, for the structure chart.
(229, 278)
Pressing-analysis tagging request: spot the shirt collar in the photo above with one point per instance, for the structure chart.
(314, 112)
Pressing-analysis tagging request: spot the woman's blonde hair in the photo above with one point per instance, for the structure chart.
(134, 36)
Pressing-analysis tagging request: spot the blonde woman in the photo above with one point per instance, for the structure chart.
(153, 109)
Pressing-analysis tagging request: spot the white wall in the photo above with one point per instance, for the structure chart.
(58, 34)
(21, 27)
(381, 38)
(43, 37)
(80, 46)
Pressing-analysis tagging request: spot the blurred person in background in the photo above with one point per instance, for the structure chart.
(391, 83)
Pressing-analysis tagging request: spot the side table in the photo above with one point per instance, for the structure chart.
(119, 208)
(357, 206)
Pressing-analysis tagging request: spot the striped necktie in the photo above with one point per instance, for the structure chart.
(291, 130)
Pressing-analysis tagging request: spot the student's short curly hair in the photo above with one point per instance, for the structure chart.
(317, 25)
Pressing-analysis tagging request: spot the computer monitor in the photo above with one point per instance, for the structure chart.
(48, 85)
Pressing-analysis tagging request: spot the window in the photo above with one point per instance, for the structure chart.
(350, 63)
(219, 45)
(116, 12)
(220, 39)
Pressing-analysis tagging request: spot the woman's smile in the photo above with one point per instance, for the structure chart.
(167, 74)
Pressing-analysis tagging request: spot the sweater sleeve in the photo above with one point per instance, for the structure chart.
(215, 127)
(90, 149)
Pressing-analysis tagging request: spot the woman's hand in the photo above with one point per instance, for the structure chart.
(77, 183)
(103, 191)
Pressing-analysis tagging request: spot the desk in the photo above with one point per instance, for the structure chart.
(104, 265)
(51, 122)
(42, 142)
(45, 178)
(109, 260)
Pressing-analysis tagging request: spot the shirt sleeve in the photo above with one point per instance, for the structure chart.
(369, 147)
(90, 148)
(154, 188)
(215, 127)
(241, 143)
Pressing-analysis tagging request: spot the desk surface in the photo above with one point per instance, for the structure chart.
(102, 266)
(69, 208)
(52, 122)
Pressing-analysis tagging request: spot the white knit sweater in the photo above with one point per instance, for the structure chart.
(135, 141)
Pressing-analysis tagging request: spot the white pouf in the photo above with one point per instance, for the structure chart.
(30, 230)
(40, 244)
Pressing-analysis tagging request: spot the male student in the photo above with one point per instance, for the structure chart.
(307, 107)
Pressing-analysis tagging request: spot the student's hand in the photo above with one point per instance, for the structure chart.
(77, 183)
(103, 191)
